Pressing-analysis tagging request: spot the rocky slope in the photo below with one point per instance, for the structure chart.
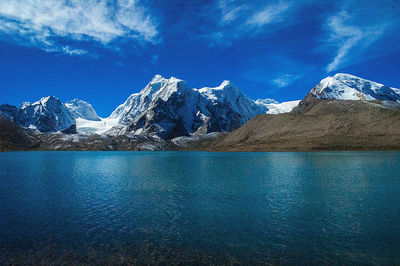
(78, 142)
(320, 125)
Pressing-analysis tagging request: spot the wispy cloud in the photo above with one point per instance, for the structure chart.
(354, 29)
(271, 14)
(235, 19)
(346, 37)
(72, 51)
(284, 80)
(229, 13)
(50, 24)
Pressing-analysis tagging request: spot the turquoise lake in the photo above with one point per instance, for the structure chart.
(200, 207)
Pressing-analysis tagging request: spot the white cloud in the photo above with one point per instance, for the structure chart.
(346, 38)
(229, 13)
(43, 23)
(270, 14)
(285, 80)
(71, 51)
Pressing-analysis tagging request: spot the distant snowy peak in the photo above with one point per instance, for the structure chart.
(48, 102)
(274, 107)
(49, 114)
(227, 91)
(229, 95)
(225, 87)
(46, 115)
(82, 109)
(266, 101)
(349, 87)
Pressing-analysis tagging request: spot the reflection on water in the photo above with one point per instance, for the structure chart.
(198, 207)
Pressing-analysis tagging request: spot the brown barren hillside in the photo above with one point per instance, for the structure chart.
(319, 125)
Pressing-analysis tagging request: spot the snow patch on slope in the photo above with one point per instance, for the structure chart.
(88, 127)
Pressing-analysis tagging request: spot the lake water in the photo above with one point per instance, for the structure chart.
(199, 207)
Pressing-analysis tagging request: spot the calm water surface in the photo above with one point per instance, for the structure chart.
(198, 207)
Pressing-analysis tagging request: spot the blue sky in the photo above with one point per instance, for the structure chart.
(103, 51)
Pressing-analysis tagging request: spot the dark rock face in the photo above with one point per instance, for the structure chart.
(14, 137)
(223, 118)
(165, 118)
(306, 101)
(70, 130)
(9, 111)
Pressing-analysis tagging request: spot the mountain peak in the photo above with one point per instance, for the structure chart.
(81, 109)
(226, 83)
(24, 105)
(77, 101)
(46, 100)
(160, 79)
(344, 76)
(157, 78)
(349, 87)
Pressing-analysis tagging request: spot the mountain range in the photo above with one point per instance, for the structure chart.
(165, 108)
(168, 114)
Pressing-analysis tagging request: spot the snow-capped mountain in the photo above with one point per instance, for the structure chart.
(165, 107)
(170, 108)
(82, 109)
(349, 87)
(47, 114)
(227, 108)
